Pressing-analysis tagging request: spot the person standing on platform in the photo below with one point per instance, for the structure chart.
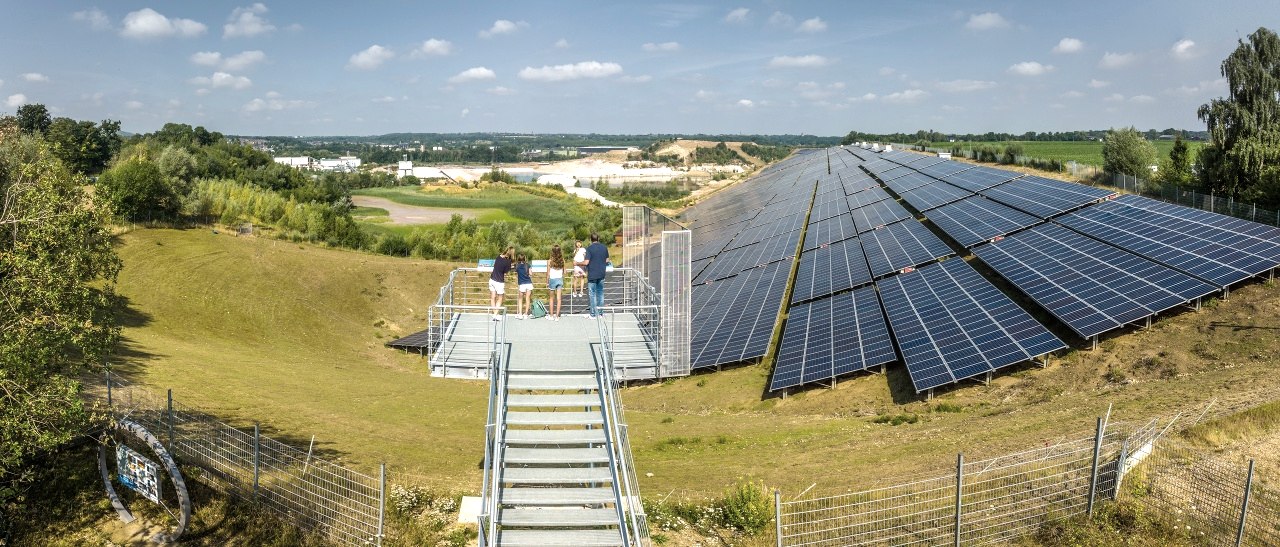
(579, 274)
(555, 282)
(498, 280)
(597, 258)
(524, 282)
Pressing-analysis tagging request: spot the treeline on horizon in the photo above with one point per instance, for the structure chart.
(991, 136)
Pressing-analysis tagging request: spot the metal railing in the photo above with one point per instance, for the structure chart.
(345, 505)
(495, 438)
(631, 515)
(660, 251)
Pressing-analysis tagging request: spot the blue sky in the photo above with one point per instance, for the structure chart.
(825, 68)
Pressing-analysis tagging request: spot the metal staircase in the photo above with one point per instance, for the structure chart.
(558, 467)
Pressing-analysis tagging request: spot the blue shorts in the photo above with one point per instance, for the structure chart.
(555, 284)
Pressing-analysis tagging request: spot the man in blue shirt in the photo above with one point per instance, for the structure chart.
(597, 258)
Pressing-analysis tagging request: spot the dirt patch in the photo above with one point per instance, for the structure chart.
(410, 214)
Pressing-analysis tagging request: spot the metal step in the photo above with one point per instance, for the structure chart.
(557, 475)
(556, 517)
(552, 366)
(518, 381)
(557, 496)
(555, 418)
(549, 401)
(555, 436)
(560, 538)
(556, 455)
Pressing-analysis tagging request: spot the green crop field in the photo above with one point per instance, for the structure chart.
(291, 335)
(1086, 152)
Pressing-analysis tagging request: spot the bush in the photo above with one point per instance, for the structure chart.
(747, 507)
(138, 191)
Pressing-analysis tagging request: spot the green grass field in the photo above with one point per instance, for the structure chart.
(492, 204)
(1086, 152)
(254, 329)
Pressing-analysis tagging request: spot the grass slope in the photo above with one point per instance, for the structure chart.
(290, 335)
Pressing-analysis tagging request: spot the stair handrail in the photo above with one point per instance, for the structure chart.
(622, 467)
(495, 433)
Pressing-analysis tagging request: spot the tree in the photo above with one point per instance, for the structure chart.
(138, 191)
(1242, 157)
(1177, 171)
(83, 146)
(33, 118)
(57, 277)
(1127, 151)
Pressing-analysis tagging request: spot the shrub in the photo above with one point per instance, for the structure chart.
(747, 507)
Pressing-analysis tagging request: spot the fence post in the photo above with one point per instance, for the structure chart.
(959, 490)
(1093, 475)
(255, 460)
(382, 500)
(777, 516)
(108, 389)
(169, 396)
(1124, 455)
(1244, 506)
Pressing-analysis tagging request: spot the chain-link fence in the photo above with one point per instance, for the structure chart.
(1225, 205)
(344, 505)
(990, 501)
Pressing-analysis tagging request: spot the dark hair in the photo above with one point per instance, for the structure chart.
(557, 258)
(595, 237)
(520, 258)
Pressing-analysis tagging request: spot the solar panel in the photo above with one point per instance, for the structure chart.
(890, 174)
(735, 324)
(901, 245)
(830, 269)
(1090, 286)
(827, 209)
(944, 168)
(1216, 255)
(867, 197)
(980, 178)
(827, 338)
(922, 161)
(1045, 197)
(878, 214)
(854, 183)
(910, 182)
(829, 230)
(977, 219)
(950, 324)
(934, 195)
(736, 260)
(1200, 216)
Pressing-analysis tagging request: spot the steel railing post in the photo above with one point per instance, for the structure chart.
(256, 450)
(169, 396)
(1093, 475)
(777, 516)
(382, 501)
(959, 493)
(1244, 505)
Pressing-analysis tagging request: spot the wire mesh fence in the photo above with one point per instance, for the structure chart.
(343, 504)
(1225, 205)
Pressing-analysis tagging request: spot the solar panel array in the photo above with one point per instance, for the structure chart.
(951, 323)
(1093, 261)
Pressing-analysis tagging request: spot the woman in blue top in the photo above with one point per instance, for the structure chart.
(524, 282)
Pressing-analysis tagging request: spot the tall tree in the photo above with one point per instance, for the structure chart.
(138, 191)
(57, 273)
(33, 118)
(1242, 157)
(1177, 171)
(1127, 151)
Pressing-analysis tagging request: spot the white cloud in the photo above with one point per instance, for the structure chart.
(1142, 99)
(206, 58)
(779, 19)
(1, 83)
(576, 71)
(643, 78)
(502, 26)
(745, 103)
(148, 23)
(1201, 89)
(704, 95)
(1073, 94)
(385, 99)
(1183, 50)
(887, 71)
(500, 90)
(273, 95)
(562, 43)
(738, 15)
(665, 47)
(243, 60)
(813, 25)
(908, 96)
(986, 21)
(275, 104)
(1030, 68)
(804, 61)
(94, 16)
(866, 97)
(433, 48)
(222, 79)
(371, 58)
(173, 103)
(15, 100)
(964, 86)
(1098, 84)
(1114, 98)
(247, 22)
(1068, 45)
(202, 91)
(1117, 60)
(35, 77)
(134, 105)
(473, 74)
(465, 111)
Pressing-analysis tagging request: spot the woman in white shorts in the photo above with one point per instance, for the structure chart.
(555, 282)
(498, 280)
(579, 274)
